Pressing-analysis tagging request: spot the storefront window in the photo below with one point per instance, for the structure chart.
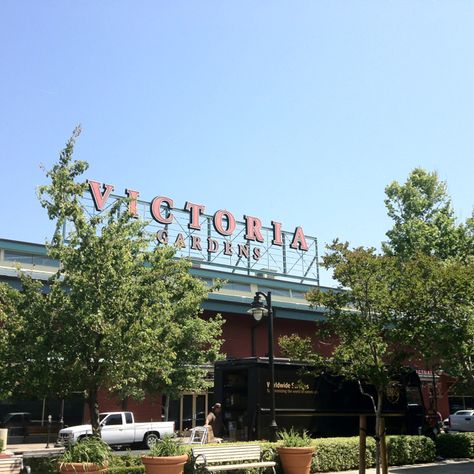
(29, 259)
(460, 402)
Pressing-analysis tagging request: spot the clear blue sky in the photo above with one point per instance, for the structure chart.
(297, 111)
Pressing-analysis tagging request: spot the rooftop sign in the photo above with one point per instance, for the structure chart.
(219, 240)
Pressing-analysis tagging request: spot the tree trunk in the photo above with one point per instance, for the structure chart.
(383, 447)
(378, 430)
(362, 443)
(125, 404)
(166, 407)
(93, 410)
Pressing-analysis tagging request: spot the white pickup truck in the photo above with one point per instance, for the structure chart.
(462, 420)
(119, 428)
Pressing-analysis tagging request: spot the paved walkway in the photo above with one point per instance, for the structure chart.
(34, 449)
(450, 466)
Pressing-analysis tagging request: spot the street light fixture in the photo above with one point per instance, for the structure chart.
(258, 310)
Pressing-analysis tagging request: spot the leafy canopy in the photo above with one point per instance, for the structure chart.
(121, 313)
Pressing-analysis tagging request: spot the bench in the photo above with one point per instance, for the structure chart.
(11, 465)
(223, 458)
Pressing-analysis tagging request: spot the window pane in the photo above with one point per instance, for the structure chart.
(275, 291)
(128, 417)
(298, 294)
(114, 420)
(45, 261)
(10, 256)
(232, 285)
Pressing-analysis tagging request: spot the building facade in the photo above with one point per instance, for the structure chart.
(243, 337)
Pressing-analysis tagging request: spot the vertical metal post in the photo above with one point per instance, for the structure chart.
(383, 447)
(362, 443)
(435, 393)
(317, 259)
(209, 235)
(248, 259)
(61, 421)
(43, 412)
(49, 430)
(273, 424)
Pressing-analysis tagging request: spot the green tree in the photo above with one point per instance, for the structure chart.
(434, 294)
(119, 310)
(424, 220)
(360, 319)
(434, 304)
(10, 325)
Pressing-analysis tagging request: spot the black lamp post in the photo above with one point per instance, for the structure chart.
(258, 310)
(50, 419)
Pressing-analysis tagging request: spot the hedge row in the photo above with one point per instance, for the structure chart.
(340, 454)
(410, 450)
(455, 445)
(332, 454)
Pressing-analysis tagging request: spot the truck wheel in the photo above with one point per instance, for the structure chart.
(151, 439)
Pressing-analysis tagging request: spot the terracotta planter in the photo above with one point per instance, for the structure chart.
(165, 464)
(82, 467)
(296, 460)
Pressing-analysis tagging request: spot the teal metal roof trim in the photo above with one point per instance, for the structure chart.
(40, 249)
(259, 281)
(219, 301)
(26, 247)
(241, 304)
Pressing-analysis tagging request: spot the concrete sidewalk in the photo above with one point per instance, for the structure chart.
(34, 449)
(449, 466)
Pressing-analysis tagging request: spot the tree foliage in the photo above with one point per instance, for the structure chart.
(359, 320)
(434, 289)
(121, 313)
(434, 303)
(423, 219)
(10, 326)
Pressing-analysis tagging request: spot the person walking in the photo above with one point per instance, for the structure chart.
(214, 420)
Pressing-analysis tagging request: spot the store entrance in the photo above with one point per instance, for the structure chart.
(190, 410)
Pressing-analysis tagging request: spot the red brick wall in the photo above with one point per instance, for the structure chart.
(148, 409)
(237, 331)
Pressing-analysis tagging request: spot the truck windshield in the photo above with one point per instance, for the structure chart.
(102, 416)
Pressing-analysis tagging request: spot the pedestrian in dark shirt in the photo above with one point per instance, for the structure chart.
(214, 420)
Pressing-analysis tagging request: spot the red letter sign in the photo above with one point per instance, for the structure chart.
(155, 209)
(253, 228)
(218, 225)
(276, 233)
(196, 210)
(98, 197)
(132, 206)
(299, 240)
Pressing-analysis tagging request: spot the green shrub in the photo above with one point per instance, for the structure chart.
(1, 445)
(127, 470)
(455, 445)
(125, 460)
(340, 454)
(43, 465)
(167, 446)
(292, 439)
(410, 450)
(91, 449)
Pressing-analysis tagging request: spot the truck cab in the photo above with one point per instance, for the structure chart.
(118, 428)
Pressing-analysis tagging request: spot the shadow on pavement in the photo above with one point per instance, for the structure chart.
(447, 467)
